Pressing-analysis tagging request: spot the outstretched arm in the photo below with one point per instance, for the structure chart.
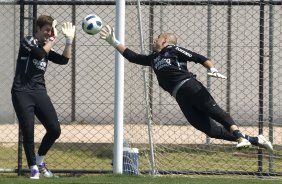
(107, 33)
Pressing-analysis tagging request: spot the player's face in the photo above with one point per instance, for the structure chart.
(159, 43)
(44, 33)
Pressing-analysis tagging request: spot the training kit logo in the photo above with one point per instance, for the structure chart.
(183, 51)
(160, 62)
(41, 65)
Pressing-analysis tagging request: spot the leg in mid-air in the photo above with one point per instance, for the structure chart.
(205, 124)
(200, 107)
(259, 140)
(244, 140)
(200, 119)
(215, 112)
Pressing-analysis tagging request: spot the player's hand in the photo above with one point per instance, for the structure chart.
(69, 31)
(213, 72)
(107, 33)
(54, 33)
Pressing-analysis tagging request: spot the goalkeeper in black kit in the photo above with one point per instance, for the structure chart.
(29, 94)
(169, 63)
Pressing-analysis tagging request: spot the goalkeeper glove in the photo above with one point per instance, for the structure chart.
(107, 33)
(54, 32)
(213, 72)
(68, 30)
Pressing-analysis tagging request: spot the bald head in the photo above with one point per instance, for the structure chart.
(171, 38)
(163, 40)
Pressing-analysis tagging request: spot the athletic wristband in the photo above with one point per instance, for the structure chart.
(69, 40)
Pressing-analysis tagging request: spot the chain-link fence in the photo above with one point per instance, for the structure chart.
(243, 38)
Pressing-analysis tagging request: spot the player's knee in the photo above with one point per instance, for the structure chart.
(57, 133)
(54, 132)
(223, 118)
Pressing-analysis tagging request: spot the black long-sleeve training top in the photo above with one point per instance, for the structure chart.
(169, 65)
(32, 63)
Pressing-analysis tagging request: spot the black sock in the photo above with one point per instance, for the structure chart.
(237, 134)
(253, 140)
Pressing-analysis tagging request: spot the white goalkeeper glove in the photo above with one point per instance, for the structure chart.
(213, 72)
(54, 32)
(68, 30)
(107, 33)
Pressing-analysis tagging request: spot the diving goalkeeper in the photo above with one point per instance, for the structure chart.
(169, 63)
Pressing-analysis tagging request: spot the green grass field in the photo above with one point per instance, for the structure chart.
(99, 157)
(72, 156)
(127, 179)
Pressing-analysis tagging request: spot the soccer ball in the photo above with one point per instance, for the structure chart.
(92, 24)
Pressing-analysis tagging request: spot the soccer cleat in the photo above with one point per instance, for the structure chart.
(243, 143)
(264, 143)
(45, 171)
(34, 174)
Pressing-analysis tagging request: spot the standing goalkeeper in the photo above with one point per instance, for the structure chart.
(29, 94)
(169, 63)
